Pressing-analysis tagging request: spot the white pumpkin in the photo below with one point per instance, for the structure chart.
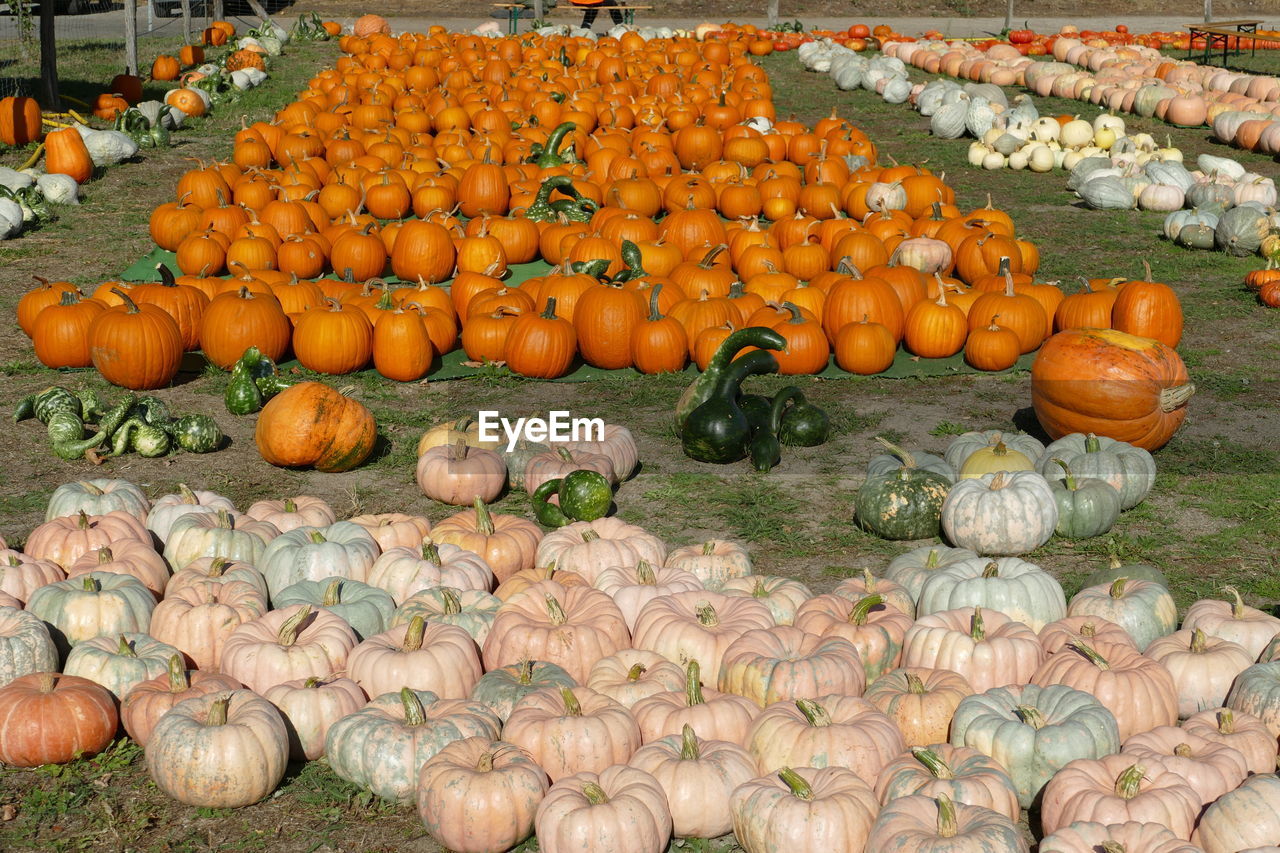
(1006, 513)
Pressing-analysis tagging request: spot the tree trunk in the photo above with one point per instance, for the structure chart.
(49, 57)
(130, 36)
(1208, 10)
(215, 11)
(1008, 16)
(773, 14)
(186, 21)
(258, 10)
(537, 9)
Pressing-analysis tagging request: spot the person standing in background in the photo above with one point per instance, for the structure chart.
(591, 9)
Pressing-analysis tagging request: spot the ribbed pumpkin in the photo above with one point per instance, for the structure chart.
(312, 425)
(1148, 309)
(237, 320)
(135, 346)
(61, 333)
(333, 338)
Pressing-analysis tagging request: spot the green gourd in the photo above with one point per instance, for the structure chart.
(242, 396)
(708, 381)
(802, 423)
(66, 436)
(196, 433)
(111, 419)
(1086, 507)
(717, 430)
(44, 404)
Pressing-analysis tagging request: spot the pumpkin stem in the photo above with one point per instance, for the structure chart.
(484, 518)
(645, 573)
(290, 505)
(1176, 397)
(178, 680)
(947, 827)
(933, 762)
(654, 314)
(915, 685)
(1129, 782)
(85, 485)
(707, 615)
(430, 552)
(82, 520)
(458, 450)
(90, 583)
(1182, 750)
(589, 535)
(1089, 652)
(758, 590)
(414, 713)
(312, 683)
(689, 749)
(130, 306)
(1237, 609)
(693, 684)
(1067, 475)
(452, 604)
(413, 634)
(908, 461)
(332, 593)
(1198, 642)
(572, 707)
(224, 519)
(1031, 716)
(524, 671)
(977, 627)
(217, 566)
(555, 612)
(292, 626)
(47, 681)
(1088, 630)
(1226, 722)
(595, 794)
(814, 713)
(485, 763)
(868, 581)
(799, 787)
(997, 481)
(1117, 587)
(187, 496)
(125, 649)
(104, 555)
(636, 671)
(859, 612)
(550, 312)
(218, 711)
(991, 570)
(316, 537)
(1113, 847)
(708, 547)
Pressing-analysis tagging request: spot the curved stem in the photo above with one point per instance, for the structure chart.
(413, 634)
(126, 649)
(1129, 782)
(484, 519)
(915, 685)
(1117, 587)
(689, 749)
(933, 762)
(594, 794)
(292, 626)
(218, 711)
(414, 713)
(452, 604)
(859, 612)
(1067, 475)
(1237, 609)
(1031, 715)
(796, 783)
(815, 714)
(555, 612)
(1089, 652)
(332, 593)
(572, 707)
(907, 460)
(178, 680)
(947, 827)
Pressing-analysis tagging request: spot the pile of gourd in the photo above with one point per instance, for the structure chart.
(427, 663)
(1226, 207)
(143, 425)
(849, 69)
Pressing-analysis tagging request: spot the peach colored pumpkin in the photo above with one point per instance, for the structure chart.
(1202, 667)
(712, 714)
(892, 593)
(421, 655)
(507, 543)
(1118, 788)
(197, 619)
(921, 702)
(922, 824)
(783, 596)
(478, 795)
(21, 574)
(457, 474)
(875, 629)
(285, 645)
(832, 731)
(291, 513)
(394, 529)
(1234, 621)
(783, 663)
(697, 626)
(570, 626)
(804, 808)
(402, 571)
(621, 809)
(985, 646)
(64, 540)
(1239, 730)
(1246, 819)
(217, 571)
(1090, 836)
(310, 707)
(572, 730)
(963, 774)
(1087, 629)
(629, 675)
(1138, 690)
(632, 587)
(588, 547)
(146, 703)
(1211, 769)
(713, 562)
(698, 776)
(126, 557)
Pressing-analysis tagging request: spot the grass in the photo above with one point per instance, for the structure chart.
(1210, 520)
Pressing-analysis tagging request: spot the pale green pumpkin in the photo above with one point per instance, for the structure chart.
(365, 608)
(383, 746)
(1020, 590)
(912, 569)
(25, 645)
(120, 662)
(1130, 470)
(342, 550)
(1257, 691)
(469, 609)
(221, 534)
(92, 605)
(1245, 819)
(1086, 507)
(1035, 731)
(1143, 608)
(500, 689)
(97, 497)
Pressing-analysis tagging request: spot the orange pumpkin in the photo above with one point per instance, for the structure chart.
(312, 425)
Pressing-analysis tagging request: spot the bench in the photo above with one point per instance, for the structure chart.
(1225, 34)
(515, 9)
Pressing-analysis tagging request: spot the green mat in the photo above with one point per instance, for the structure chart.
(455, 365)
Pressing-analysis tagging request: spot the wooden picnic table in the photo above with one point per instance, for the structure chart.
(1224, 34)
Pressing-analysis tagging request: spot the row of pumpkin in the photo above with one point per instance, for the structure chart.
(1005, 693)
(934, 276)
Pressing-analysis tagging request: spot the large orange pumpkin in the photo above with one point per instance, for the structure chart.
(1110, 383)
(20, 121)
(312, 425)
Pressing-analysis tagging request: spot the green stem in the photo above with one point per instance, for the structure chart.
(414, 713)
(933, 762)
(977, 628)
(1117, 587)
(218, 711)
(693, 684)
(572, 706)
(947, 827)
(794, 781)
(815, 714)
(1031, 716)
(413, 634)
(1129, 783)
(178, 680)
(484, 519)
(332, 593)
(1089, 652)
(859, 612)
(689, 749)
(907, 460)
(594, 794)
(292, 626)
